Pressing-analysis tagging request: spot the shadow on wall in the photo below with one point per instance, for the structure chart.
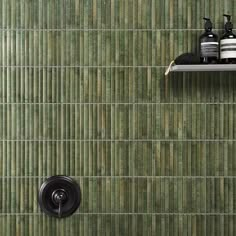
(199, 87)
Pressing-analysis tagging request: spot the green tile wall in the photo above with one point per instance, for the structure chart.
(83, 93)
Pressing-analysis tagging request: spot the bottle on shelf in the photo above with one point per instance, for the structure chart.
(209, 45)
(228, 43)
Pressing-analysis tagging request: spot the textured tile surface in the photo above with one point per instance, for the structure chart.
(83, 93)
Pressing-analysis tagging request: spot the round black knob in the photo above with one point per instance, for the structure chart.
(59, 196)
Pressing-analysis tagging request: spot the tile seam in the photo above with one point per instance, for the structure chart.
(117, 140)
(125, 213)
(125, 177)
(117, 103)
(81, 66)
(104, 29)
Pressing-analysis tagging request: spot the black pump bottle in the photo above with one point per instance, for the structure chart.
(209, 45)
(228, 43)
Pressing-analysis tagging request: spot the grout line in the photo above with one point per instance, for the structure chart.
(117, 103)
(105, 29)
(124, 177)
(117, 140)
(125, 213)
(156, 213)
(79, 66)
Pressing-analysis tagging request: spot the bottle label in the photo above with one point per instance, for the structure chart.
(210, 49)
(228, 48)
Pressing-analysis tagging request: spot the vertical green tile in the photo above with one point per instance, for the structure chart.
(141, 155)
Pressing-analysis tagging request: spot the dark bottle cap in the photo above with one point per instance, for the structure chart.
(208, 24)
(228, 24)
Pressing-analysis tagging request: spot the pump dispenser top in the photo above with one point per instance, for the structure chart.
(208, 24)
(228, 24)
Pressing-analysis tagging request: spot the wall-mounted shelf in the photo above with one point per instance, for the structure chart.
(196, 68)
